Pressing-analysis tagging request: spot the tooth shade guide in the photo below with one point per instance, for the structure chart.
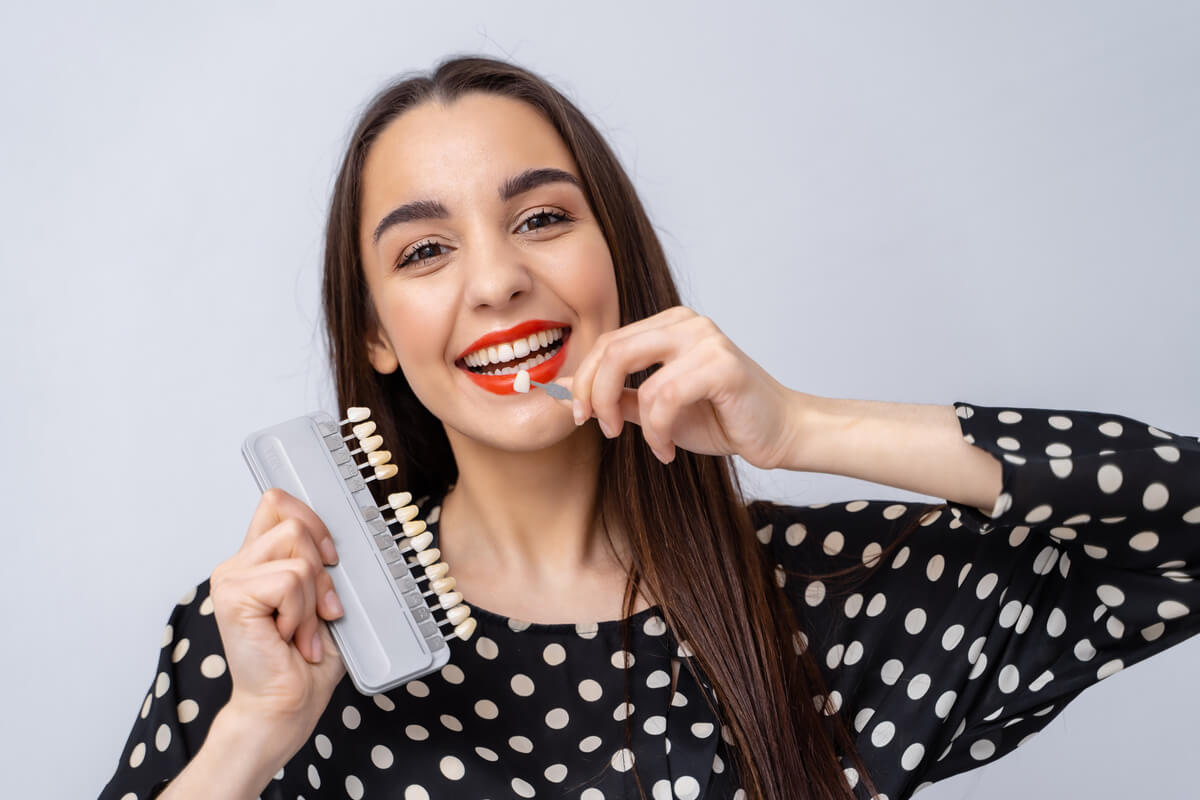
(309, 457)
(521, 382)
(355, 414)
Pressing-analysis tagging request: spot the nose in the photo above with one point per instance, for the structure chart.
(497, 274)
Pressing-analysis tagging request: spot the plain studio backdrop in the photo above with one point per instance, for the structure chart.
(919, 202)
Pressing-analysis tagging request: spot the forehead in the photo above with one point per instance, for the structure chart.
(457, 153)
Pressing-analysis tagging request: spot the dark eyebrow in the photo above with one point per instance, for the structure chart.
(432, 209)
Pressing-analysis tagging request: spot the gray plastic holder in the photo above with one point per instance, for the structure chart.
(388, 634)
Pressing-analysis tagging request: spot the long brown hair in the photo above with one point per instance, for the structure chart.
(691, 534)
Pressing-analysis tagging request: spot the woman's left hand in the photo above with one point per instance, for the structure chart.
(707, 397)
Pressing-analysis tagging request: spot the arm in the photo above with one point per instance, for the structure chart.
(911, 446)
(225, 766)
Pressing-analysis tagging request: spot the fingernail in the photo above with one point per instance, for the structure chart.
(316, 647)
(605, 429)
(328, 551)
(335, 606)
(577, 410)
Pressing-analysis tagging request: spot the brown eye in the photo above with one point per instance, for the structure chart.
(422, 252)
(542, 216)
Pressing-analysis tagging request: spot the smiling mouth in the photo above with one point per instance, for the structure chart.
(497, 365)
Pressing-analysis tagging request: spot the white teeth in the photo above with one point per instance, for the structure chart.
(518, 348)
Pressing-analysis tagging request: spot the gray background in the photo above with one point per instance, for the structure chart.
(916, 202)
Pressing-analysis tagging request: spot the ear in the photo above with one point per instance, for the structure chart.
(380, 351)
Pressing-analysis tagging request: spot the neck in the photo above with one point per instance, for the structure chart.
(529, 514)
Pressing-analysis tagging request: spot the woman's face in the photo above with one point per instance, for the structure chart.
(474, 237)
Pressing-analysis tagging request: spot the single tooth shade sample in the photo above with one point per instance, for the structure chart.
(414, 527)
(458, 614)
(372, 443)
(422, 541)
(399, 499)
(406, 513)
(363, 430)
(465, 630)
(436, 571)
(357, 413)
(427, 557)
(521, 382)
(450, 600)
(385, 471)
(379, 457)
(443, 585)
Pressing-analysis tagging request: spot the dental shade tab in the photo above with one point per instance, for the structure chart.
(391, 632)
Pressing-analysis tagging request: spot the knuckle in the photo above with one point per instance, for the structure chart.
(274, 497)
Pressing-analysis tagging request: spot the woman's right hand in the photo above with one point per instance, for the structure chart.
(270, 600)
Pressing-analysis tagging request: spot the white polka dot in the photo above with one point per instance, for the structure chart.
(936, 566)
(833, 543)
(521, 744)
(655, 725)
(556, 773)
(350, 717)
(1061, 467)
(1155, 497)
(486, 648)
(1109, 478)
(1056, 623)
(451, 722)
(622, 659)
(591, 794)
(1084, 650)
(876, 606)
(914, 622)
(161, 684)
(871, 554)
(853, 605)
(863, 717)
(487, 754)
(952, 637)
(521, 684)
(814, 593)
(982, 750)
(834, 657)
(381, 756)
(146, 705)
(1110, 595)
(1112, 428)
(912, 756)
(702, 730)
(180, 650)
(554, 654)
(354, 788)
(795, 533)
(854, 653)
(622, 760)
(587, 630)
(622, 711)
(314, 777)
(187, 711)
(162, 738)
(168, 635)
(417, 688)
(1109, 668)
(206, 607)
(384, 702)
(415, 792)
(918, 686)
(1039, 514)
(486, 709)
(323, 745)
(452, 768)
(1010, 679)
(590, 690)
(657, 679)
(188, 596)
(1172, 609)
(687, 788)
(764, 534)
(945, 703)
(655, 626)
(1009, 417)
(882, 734)
(137, 755)
(1193, 516)
(891, 671)
(986, 585)
(557, 718)
(1008, 443)
(590, 743)
(212, 666)
(452, 674)
(1040, 681)
(417, 733)
(1144, 541)
(518, 625)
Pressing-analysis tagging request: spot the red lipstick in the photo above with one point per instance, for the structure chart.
(508, 334)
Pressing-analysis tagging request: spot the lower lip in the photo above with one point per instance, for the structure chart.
(542, 373)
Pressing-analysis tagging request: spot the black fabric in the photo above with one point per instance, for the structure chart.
(966, 642)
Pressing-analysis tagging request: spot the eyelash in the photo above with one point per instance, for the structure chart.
(407, 257)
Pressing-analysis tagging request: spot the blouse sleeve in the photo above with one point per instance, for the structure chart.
(190, 685)
(983, 626)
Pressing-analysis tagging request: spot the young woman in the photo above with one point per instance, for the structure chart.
(642, 631)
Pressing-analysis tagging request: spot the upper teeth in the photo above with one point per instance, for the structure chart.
(518, 348)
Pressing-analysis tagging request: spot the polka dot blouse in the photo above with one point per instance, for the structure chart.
(960, 647)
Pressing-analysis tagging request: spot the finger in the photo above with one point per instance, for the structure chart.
(276, 505)
(585, 372)
(623, 358)
(275, 589)
(292, 539)
(298, 622)
(670, 390)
